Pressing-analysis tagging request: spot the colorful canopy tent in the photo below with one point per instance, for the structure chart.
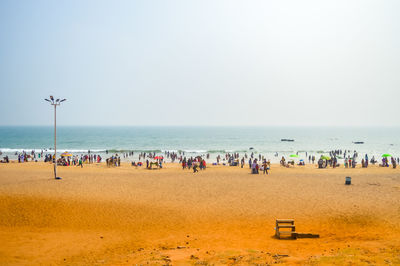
(325, 157)
(66, 154)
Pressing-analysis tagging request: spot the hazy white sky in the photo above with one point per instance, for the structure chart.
(200, 62)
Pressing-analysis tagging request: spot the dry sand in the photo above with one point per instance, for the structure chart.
(224, 215)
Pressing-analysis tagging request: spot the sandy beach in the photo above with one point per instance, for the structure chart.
(212, 94)
(223, 215)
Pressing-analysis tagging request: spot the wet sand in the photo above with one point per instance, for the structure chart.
(223, 215)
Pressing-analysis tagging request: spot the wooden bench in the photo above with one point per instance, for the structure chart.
(285, 223)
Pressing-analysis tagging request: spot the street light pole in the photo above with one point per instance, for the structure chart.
(55, 104)
(55, 141)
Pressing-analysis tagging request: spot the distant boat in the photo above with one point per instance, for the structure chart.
(358, 142)
(251, 148)
(290, 140)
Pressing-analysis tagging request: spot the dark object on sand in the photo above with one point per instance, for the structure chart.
(302, 235)
(289, 140)
(348, 180)
(358, 142)
(289, 224)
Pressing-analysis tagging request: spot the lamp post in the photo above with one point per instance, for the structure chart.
(55, 104)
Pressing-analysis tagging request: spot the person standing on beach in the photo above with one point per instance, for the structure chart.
(283, 161)
(353, 163)
(80, 163)
(204, 164)
(265, 167)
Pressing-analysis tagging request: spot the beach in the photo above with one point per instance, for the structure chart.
(221, 215)
(199, 133)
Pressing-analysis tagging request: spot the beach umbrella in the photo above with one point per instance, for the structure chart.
(386, 155)
(294, 156)
(66, 154)
(325, 157)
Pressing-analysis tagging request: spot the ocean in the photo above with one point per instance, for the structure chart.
(201, 140)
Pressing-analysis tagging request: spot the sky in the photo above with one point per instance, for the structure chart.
(215, 63)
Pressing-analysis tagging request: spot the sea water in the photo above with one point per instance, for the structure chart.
(201, 140)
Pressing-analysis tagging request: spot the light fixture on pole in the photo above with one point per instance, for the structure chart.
(55, 104)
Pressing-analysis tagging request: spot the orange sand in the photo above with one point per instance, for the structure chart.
(224, 215)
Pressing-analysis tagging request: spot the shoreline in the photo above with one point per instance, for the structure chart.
(174, 165)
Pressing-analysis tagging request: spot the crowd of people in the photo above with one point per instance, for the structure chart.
(257, 162)
(385, 162)
(256, 167)
(195, 163)
(113, 161)
(63, 160)
(5, 159)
